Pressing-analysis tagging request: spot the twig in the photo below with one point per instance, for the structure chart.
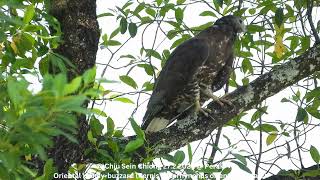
(309, 15)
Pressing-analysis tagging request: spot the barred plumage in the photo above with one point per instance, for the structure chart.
(195, 69)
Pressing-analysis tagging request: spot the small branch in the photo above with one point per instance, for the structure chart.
(256, 171)
(309, 15)
(214, 149)
(240, 4)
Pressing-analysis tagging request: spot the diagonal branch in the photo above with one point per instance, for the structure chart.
(243, 98)
(309, 15)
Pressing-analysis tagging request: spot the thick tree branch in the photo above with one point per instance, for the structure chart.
(284, 175)
(243, 98)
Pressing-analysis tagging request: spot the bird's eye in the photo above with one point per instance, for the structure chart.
(240, 21)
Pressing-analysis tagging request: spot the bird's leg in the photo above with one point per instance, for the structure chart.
(198, 108)
(221, 101)
(222, 98)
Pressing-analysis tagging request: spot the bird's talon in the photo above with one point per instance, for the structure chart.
(220, 102)
(205, 111)
(225, 101)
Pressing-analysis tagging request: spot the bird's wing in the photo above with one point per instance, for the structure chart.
(223, 75)
(179, 69)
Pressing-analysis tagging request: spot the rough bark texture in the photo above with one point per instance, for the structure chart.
(80, 39)
(243, 98)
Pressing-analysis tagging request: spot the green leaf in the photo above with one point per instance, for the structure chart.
(305, 43)
(228, 139)
(247, 66)
(241, 158)
(252, 11)
(179, 14)
(267, 128)
(311, 173)
(153, 53)
(132, 29)
(28, 15)
(129, 56)
(313, 111)
(219, 2)
(114, 43)
(113, 145)
(168, 157)
(159, 2)
(17, 91)
(313, 94)
(245, 81)
(315, 154)
(240, 12)
(242, 166)
(271, 137)
(59, 82)
(98, 112)
(127, 4)
(123, 25)
(148, 86)
(302, 115)
(32, 28)
(73, 86)
(124, 100)
(180, 1)
(40, 150)
(139, 8)
(179, 41)
(165, 9)
(245, 54)
(114, 33)
(110, 126)
(189, 153)
(21, 43)
(133, 145)
(151, 12)
(137, 129)
(105, 39)
(208, 13)
(48, 170)
(294, 43)
(91, 138)
(129, 81)
(202, 27)
(104, 15)
(260, 111)
(59, 62)
(247, 125)
(89, 76)
(179, 157)
(71, 103)
(285, 100)
(278, 18)
(226, 170)
(96, 126)
(147, 68)
(255, 28)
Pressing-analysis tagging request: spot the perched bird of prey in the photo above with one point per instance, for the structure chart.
(195, 69)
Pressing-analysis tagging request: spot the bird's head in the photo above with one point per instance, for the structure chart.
(234, 21)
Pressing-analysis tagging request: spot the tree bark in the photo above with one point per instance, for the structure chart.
(80, 40)
(284, 175)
